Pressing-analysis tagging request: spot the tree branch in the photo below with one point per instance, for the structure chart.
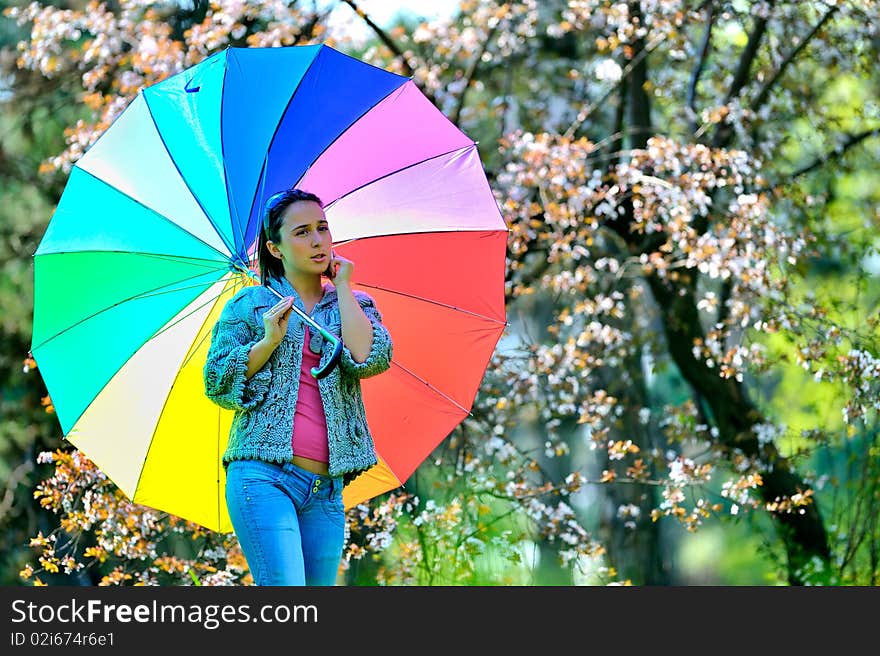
(723, 298)
(383, 37)
(837, 153)
(746, 60)
(589, 107)
(638, 113)
(761, 98)
(724, 132)
(698, 69)
(471, 72)
(505, 107)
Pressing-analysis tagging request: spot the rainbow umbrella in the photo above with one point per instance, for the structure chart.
(156, 229)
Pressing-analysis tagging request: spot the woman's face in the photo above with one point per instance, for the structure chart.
(303, 236)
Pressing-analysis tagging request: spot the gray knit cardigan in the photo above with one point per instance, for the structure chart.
(264, 404)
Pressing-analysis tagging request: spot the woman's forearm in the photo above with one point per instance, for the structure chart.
(258, 355)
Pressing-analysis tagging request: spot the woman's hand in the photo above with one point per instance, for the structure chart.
(340, 270)
(275, 321)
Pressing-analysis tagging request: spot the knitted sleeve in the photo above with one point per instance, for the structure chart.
(379, 359)
(227, 361)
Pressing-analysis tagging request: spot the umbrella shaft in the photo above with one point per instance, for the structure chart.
(305, 317)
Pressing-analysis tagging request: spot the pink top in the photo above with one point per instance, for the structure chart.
(309, 438)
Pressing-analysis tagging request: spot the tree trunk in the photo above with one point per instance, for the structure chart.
(735, 416)
(634, 543)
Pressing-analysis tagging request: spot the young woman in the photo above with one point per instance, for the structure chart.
(294, 441)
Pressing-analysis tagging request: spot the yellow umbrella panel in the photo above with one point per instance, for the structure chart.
(153, 431)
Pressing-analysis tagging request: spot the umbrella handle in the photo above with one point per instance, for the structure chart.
(316, 372)
(334, 359)
(337, 343)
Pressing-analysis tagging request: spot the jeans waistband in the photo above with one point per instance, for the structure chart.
(334, 482)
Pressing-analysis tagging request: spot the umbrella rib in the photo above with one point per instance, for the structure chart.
(261, 189)
(395, 172)
(184, 180)
(225, 256)
(167, 396)
(123, 364)
(205, 336)
(265, 174)
(398, 90)
(343, 242)
(148, 293)
(188, 314)
(433, 302)
(159, 256)
(236, 220)
(195, 261)
(429, 385)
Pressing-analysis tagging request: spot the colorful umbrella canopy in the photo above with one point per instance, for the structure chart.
(156, 229)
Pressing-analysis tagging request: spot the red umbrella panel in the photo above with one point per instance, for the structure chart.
(408, 202)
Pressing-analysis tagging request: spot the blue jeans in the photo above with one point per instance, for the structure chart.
(289, 522)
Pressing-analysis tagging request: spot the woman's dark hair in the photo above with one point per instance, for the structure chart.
(271, 229)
